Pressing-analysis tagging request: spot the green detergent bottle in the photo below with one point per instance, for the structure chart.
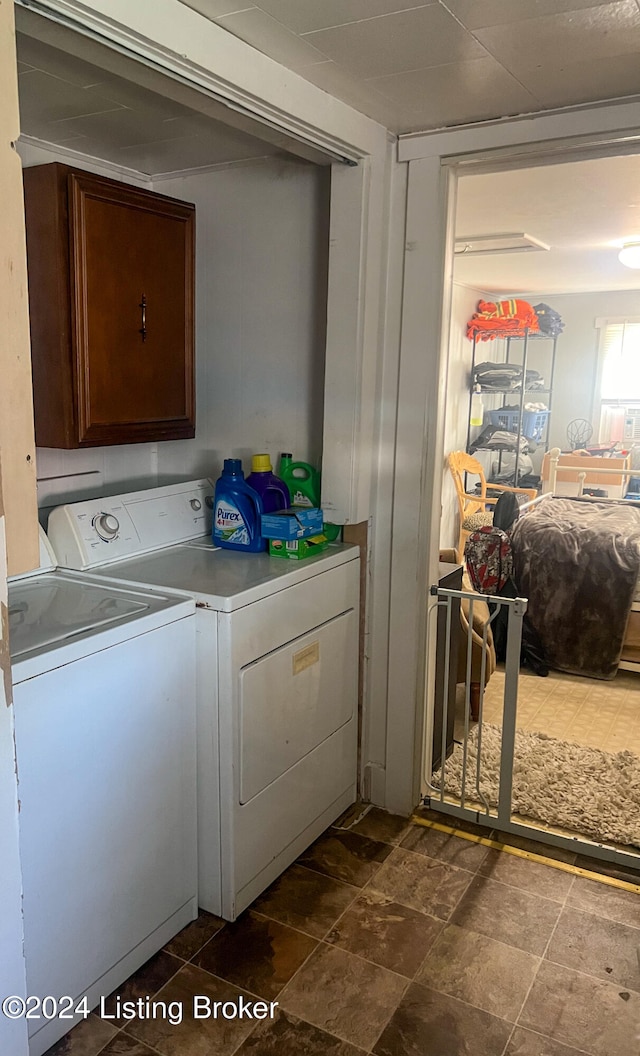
(302, 480)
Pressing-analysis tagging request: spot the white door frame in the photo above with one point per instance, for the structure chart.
(434, 161)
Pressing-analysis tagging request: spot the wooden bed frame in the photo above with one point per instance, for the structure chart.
(565, 475)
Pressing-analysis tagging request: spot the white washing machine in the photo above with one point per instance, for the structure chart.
(104, 695)
(277, 676)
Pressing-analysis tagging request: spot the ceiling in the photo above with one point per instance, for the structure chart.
(421, 65)
(583, 210)
(74, 104)
(580, 209)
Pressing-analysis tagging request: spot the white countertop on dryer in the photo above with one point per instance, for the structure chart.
(224, 580)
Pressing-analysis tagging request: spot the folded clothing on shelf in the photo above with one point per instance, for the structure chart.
(501, 376)
(509, 318)
(494, 438)
(549, 321)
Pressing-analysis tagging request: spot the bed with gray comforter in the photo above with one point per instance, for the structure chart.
(578, 561)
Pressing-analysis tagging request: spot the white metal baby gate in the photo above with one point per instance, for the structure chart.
(458, 787)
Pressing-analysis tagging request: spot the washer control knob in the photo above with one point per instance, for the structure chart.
(107, 526)
(196, 504)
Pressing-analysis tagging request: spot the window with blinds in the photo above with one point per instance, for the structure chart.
(620, 381)
(620, 378)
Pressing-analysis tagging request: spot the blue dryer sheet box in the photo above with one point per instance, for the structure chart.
(296, 523)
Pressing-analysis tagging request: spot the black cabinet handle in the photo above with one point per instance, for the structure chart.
(143, 308)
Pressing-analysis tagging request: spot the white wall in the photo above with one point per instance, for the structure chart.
(575, 373)
(262, 245)
(261, 273)
(464, 301)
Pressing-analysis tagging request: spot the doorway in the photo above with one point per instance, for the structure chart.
(580, 718)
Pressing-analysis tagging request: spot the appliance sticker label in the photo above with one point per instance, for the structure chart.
(306, 657)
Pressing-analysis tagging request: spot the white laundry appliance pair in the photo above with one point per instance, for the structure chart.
(104, 704)
(277, 675)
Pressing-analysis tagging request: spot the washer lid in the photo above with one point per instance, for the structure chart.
(49, 609)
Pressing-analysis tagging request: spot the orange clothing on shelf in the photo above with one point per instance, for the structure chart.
(509, 318)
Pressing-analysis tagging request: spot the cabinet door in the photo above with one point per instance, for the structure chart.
(132, 306)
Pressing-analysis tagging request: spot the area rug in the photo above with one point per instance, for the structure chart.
(591, 792)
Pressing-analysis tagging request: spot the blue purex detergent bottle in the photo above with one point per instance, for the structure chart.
(273, 491)
(237, 511)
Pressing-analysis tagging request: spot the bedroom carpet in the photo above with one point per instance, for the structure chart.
(559, 783)
(597, 714)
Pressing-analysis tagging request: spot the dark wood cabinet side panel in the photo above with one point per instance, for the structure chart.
(49, 302)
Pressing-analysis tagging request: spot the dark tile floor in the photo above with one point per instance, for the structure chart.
(398, 940)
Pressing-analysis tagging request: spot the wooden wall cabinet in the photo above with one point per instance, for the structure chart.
(111, 303)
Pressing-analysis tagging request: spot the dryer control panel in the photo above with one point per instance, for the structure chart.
(99, 531)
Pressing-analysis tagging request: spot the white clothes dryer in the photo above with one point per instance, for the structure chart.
(277, 676)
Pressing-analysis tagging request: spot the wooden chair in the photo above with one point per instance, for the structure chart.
(475, 509)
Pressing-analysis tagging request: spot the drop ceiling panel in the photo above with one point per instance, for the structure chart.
(560, 52)
(57, 63)
(194, 152)
(67, 101)
(359, 94)
(460, 91)
(304, 16)
(478, 13)
(213, 8)
(271, 37)
(409, 40)
(123, 128)
(602, 32)
(55, 100)
(588, 80)
(141, 100)
(408, 65)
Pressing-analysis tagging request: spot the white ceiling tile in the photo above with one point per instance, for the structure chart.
(271, 38)
(125, 128)
(592, 33)
(476, 14)
(189, 152)
(457, 93)
(359, 94)
(48, 99)
(135, 97)
(585, 81)
(409, 40)
(115, 115)
(303, 16)
(214, 8)
(42, 56)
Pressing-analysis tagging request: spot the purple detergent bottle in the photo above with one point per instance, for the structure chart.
(273, 491)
